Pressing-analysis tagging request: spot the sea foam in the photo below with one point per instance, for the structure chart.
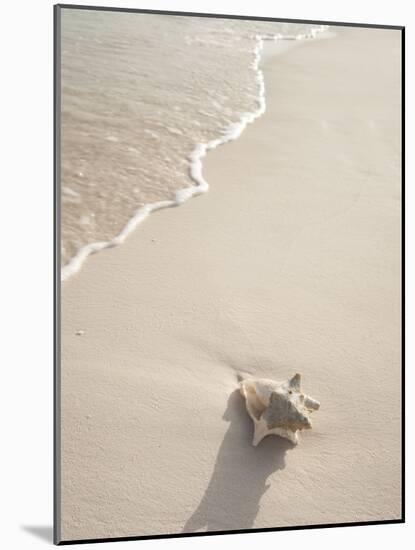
(231, 132)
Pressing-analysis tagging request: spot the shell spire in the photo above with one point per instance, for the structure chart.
(295, 382)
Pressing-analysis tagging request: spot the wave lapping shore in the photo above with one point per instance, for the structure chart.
(128, 151)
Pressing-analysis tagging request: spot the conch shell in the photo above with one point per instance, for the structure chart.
(278, 408)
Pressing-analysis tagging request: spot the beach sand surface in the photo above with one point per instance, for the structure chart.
(290, 263)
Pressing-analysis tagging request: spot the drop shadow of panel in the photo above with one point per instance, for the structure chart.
(43, 532)
(239, 479)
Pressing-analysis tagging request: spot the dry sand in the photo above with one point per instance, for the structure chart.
(291, 263)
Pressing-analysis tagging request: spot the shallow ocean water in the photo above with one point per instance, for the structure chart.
(139, 92)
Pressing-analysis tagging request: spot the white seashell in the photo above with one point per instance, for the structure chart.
(278, 408)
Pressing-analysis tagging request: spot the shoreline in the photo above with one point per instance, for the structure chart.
(300, 274)
(233, 131)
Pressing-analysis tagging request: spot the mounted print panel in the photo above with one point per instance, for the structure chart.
(229, 274)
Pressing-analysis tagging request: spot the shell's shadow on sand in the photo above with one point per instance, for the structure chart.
(239, 478)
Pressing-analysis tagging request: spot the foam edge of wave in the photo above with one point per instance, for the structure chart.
(233, 131)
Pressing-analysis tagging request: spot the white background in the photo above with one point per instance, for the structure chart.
(26, 282)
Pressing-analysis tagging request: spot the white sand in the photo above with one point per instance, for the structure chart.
(291, 263)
